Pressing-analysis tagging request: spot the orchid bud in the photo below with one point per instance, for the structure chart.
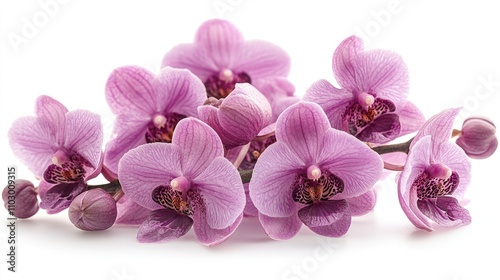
(93, 210)
(20, 199)
(239, 117)
(478, 138)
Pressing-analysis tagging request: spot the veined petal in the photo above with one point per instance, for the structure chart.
(343, 68)
(338, 228)
(273, 175)
(199, 146)
(128, 133)
(129, 90)
(323, 213)
(410, 118)
(302, 127)
(250, 210)
(178, 91)
(351, 160)
(418, 160)
(382, 73)
(130, 213)
(54, 112)
(280, 228)
(453, 157)
(362, 204)
(261, 59)
(60, 196)
(84, 135)
(163, 225)
(146, 167)
(222, 191)
(190, 56)
(209, 236)
(439, 126)
(219, 40)
(33, 142)
(334, 101)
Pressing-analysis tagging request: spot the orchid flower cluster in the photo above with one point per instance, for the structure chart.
(218, 135)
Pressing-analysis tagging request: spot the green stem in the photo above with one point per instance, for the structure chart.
(246, 175)
(111, 187)
(400, 147)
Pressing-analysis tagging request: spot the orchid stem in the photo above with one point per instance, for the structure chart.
(400, 147)
(246, 175)
(112, 187)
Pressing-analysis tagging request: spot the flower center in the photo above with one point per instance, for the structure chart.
(257, 147)
(433, 187)
(309, 191)
(370, 110)
(172, 199)
(221, 85)
(67, 167)
(162, 127)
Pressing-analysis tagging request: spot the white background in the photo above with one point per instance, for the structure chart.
(451, 49)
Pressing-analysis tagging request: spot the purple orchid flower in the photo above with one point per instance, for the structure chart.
(372, 102)
(147, 107)
(185, 183)
(221, 58)
(62, 147)
(313, 174)
(239, 117)
(435, 176)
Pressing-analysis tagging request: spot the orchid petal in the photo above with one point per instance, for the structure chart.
(222, 191)
(383, 74)
(84, 135)
(54, 113)
(362, 204)
(439, 126)
(302, 127)
(130, 213)
(343, 68)
(280, 228)
(261, 59)
(334, 101)
(129, 90)
(199, 145)
(163, 225)
(33, 142)
(219, 40)
(60, 196)
(209, 236)
(178, 91)
(190, 57)
(128, 132)
(351, 160)
(323, 213)
(270, 186)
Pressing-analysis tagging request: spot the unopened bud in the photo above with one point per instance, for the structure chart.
(93, 210)
(20, 199)
(478, 138)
